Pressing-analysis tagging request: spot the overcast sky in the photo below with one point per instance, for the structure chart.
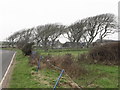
(19, 14)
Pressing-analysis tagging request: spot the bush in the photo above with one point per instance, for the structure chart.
(27, 48)
(107, 53)
(68, 63)
(82, 57)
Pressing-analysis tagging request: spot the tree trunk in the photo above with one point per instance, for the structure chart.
(101, 40)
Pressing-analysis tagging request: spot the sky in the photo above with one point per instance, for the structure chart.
(19, 14)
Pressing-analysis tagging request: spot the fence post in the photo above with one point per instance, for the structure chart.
(39, 63)
(58, 79)
(33, 54)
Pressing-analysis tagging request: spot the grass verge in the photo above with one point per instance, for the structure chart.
(25, 76)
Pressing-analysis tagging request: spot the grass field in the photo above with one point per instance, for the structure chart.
(25, 76)
(62, 51)
(100, 76)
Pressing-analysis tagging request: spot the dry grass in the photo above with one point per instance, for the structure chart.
(67, 63)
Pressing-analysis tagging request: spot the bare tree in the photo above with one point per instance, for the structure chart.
(76, 31)
(26, 36)
(56, 30)
(47, 34)
(42, 35)
(99, 25)
(21, 37)
(92, 30)
(108, 25)
(83, 30)
(11, 40)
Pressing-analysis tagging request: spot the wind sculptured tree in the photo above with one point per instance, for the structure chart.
(47, 34)
(92, 30)
(38, 35)
(23, 40)
(17, 37)
(42, 36)
(11, 40)
(74, 32)
(56, 30)
(14, 38)
(99, 25)
(24, 36)
(27, 41)
(85, 30)
(108, 25)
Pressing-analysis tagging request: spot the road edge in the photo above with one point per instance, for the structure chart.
(7, 71)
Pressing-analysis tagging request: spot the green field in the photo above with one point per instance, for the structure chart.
(100, 76)
(62, 51)
(25, 76)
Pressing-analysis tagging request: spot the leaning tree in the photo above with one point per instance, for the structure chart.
(100, 25)
(46, 35)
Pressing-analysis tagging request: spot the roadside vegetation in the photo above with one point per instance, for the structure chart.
(94, 75)
(25, 76)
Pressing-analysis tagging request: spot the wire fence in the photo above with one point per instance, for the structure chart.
(77, 86)
(55, 67)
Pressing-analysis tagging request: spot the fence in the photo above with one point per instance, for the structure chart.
(55, 67)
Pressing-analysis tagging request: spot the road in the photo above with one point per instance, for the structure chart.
(5, 58)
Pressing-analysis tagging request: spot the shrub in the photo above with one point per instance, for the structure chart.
(107, 53)
(82, 57)
(27, 48)
(67, 62)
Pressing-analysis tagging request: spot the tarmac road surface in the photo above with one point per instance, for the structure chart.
(5, 59)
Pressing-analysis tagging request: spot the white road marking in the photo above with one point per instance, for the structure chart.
(7, 71)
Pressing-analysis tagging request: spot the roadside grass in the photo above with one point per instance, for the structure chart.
(25, 76)
(21, 77)
(47, 78)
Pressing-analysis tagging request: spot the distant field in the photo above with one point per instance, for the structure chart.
(25, 76)
(62, 51)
